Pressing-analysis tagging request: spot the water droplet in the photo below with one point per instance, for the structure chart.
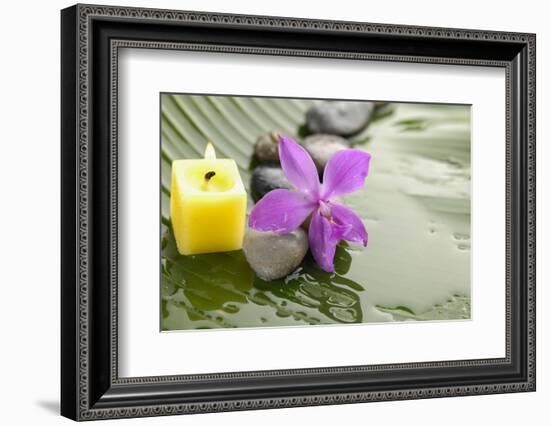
(461, 237)
(230, 308)
(340, 300)
(263, 320)
(261, 299)
(463, 247)
(343, 314)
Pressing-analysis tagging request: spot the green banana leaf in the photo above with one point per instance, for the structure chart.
(415, 205)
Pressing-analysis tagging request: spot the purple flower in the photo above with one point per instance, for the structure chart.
(283, 210)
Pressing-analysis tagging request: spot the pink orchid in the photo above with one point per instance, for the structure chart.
(282, 210)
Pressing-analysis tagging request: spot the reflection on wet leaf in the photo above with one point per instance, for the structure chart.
(219, 289)
(457, 307)
(415, 205)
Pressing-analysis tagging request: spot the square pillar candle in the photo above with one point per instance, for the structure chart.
(207, 204)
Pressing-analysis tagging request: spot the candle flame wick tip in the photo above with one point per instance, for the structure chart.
(210, 152)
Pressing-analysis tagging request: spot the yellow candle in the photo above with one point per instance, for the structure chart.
(207, 204)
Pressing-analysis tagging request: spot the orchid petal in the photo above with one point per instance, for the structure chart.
(322, 241)
(345, 172)
(280, 211)
(299, 168)
(355, 228)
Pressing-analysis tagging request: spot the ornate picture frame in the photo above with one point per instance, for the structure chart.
(91, 38)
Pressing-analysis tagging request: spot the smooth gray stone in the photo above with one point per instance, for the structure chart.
(272, 255)
(266, 178)
(322, 146)
(339, 117)
(266, 148)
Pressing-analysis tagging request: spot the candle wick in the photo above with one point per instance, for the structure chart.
(209, 175)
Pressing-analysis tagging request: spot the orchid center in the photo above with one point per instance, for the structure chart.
(324, 209)
(283, 210)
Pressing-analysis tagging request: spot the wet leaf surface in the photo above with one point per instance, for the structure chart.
(415, 204)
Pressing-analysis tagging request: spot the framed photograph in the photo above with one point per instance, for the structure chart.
(263, 212)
